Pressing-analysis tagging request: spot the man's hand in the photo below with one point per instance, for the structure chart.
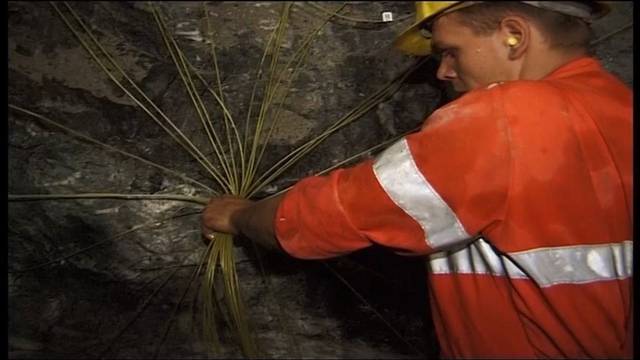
(236, 216)
(219, 214)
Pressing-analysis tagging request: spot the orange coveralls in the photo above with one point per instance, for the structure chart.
(519, 197)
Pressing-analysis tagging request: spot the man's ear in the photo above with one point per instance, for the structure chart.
(517, 35)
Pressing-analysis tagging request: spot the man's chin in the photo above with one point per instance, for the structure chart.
(454, 91)
(459, 88)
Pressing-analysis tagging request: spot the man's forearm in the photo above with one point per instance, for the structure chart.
(257, 222)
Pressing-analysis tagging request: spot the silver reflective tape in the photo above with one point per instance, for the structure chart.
(577, 264)
(475, 258)
(399, 176)
(545, 266)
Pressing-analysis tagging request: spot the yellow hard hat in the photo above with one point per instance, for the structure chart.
(415, 42)
(412, 41)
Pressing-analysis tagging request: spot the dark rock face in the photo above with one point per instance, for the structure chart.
(117, 297)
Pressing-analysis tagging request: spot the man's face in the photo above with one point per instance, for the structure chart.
(468, 61)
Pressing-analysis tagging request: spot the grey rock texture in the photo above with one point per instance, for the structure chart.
(113, 295)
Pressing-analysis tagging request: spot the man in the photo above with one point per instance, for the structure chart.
(518, 193)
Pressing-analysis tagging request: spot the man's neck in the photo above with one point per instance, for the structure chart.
(539, 65)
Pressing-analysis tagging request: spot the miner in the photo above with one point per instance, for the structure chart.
(517, 193)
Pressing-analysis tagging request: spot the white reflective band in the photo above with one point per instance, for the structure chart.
(546, 266)
(475, 258)
(577, 264)
(407, 187)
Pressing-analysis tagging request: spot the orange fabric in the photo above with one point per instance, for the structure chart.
(526, 164)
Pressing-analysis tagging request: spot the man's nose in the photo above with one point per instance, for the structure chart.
(445, 71)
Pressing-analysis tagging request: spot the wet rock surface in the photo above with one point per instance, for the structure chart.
(115, 299)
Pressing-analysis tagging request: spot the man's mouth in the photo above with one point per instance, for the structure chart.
(459, 87)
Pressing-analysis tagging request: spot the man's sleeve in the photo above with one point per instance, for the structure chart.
(430, 191)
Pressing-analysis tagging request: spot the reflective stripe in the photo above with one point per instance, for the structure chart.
(577, 264)
(476, 258)
(546, 266)
(407, 187)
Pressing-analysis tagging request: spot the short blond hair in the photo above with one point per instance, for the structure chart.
(560, 30)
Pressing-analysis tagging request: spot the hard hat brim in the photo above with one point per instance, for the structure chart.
(412, 41)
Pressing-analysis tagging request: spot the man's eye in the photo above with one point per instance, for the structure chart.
(448, 53)
(439, 55)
